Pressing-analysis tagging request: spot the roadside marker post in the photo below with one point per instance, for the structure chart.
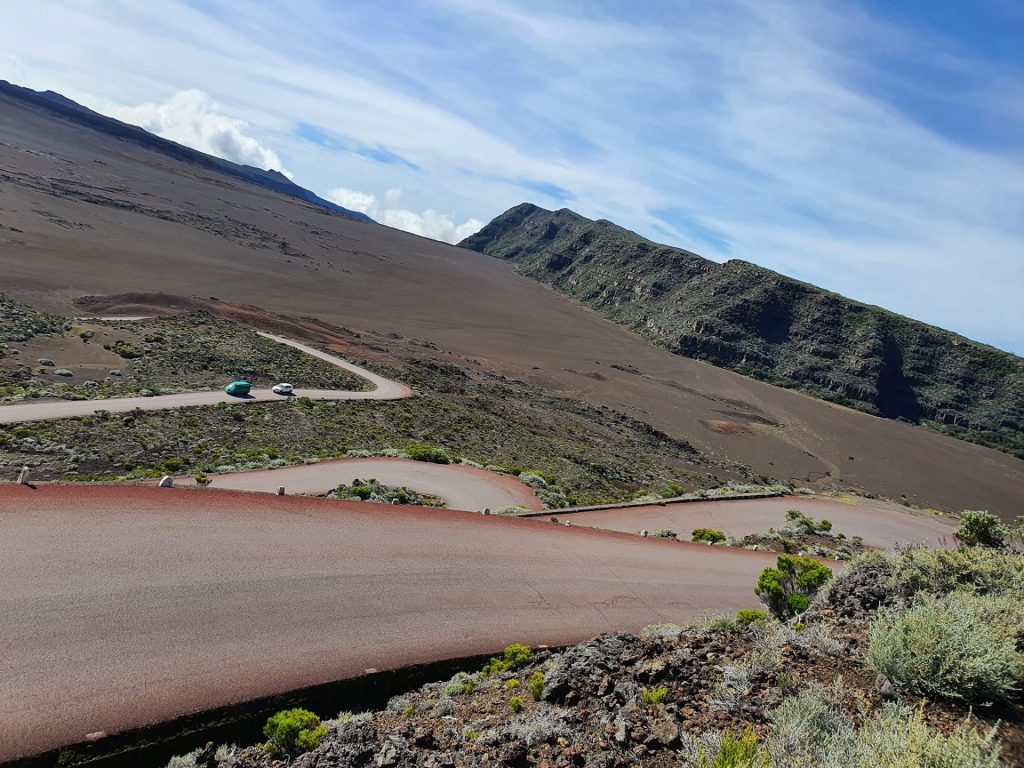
(23, 476)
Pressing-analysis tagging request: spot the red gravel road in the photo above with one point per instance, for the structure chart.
(880, 523)
(124, 606)
(461, 487)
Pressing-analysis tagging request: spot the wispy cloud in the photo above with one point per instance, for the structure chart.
(826, 140)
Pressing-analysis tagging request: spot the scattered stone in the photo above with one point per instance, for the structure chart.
(116, 372)
(63, 372)
(46, 361)
(166, 481)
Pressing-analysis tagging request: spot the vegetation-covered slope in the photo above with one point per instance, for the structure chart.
(760, 323)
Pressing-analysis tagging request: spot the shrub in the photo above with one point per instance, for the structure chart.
(708, 535)
(787, 589)
(824, 525)
(515, 703)
(725, 750)
(812, 728)
(536, 685)
(425, 452)
(961, 646)
(202, 479)
(174, 464)
(510, 684)
(664, 533)
(981, 529)
(798, 522)
(653, 698)
(938, 572)
(746, 616)
(719, 623)
(460, 684)
(672, 490)
(292, 731)
(540, 726)
(514, 656)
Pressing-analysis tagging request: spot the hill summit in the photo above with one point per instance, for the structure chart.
(740, 316)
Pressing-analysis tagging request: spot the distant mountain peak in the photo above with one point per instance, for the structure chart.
(740, 316)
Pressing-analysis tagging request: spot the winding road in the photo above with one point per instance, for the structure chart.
(383, 389)
(462, 487)
(126, 606)
(880, 523)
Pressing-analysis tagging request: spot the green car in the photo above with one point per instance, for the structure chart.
(238, 388)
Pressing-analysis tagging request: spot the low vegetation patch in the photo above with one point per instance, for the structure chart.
(197, 351)
(371, 490)
(596, 455)
(801, 534)
(707, 536)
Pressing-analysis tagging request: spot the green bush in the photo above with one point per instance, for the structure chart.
(536, 685)
(981, 529)
(515, 703)
(787, 589)
(746, 616)
(707, 535)
(202, 479)
(664, 533)
(672, 490)
(962, 646)
(514, 656)
(510, 684)
(293, 731)
(732, 751)
(425, 452)
(824, 525)
(653, 698)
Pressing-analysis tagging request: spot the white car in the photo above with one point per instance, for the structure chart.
(283, 389)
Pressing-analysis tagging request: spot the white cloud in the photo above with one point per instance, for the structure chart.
(194, 119)
(428, 223)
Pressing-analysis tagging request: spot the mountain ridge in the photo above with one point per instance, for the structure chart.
(749, 319)
(270, 179)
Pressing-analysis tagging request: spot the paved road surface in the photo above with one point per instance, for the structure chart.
(130, 605)
(460, 486)
(384, 389)
(881, 524)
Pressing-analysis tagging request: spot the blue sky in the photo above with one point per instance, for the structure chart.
(873, 148)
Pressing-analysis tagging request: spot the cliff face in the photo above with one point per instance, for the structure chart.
(765, 325)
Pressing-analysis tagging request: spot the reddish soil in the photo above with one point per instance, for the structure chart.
(125, 606)
(879, 523)
(462, 487)
(101, 216)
